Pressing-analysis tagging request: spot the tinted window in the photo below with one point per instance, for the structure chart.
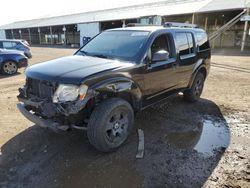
(190, 42)
(7, 45)
(14, 44)
(182, 43)
(20, 45)
(161, 43)
(202, 40)
(116, 44)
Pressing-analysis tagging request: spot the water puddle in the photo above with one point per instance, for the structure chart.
(205, 137)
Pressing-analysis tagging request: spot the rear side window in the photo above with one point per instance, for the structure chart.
(9, 45)
(182, 43)
(202, 40)
(190, 42)
(185, 43)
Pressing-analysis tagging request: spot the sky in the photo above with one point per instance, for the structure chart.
(19, 10)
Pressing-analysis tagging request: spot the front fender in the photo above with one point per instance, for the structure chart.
(121, 87)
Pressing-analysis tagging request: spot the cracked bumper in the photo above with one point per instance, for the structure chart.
(45, 123)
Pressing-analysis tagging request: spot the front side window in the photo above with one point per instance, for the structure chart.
(123, 45)
(14, 44)
(160, 43)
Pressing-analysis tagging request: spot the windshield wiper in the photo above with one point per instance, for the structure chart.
(95, 55)
(99, 55)
(85, 53)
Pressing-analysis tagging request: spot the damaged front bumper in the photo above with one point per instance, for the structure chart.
(45, 123)
(54, 116)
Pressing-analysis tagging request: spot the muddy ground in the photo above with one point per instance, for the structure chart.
(205, 144)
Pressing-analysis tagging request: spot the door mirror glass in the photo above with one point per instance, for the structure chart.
(161, 55)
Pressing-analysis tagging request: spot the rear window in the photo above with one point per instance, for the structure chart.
(202, 40)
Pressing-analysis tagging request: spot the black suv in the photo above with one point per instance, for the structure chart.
(117, 73)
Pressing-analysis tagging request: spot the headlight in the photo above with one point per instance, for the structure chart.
(65, 93)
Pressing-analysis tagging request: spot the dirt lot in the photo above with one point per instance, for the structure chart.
(205, 144)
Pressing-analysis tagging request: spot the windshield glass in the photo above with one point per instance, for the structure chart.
(123, 45)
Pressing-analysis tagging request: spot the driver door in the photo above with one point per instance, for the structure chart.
(160, 76)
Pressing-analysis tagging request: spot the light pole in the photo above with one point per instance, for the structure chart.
(193, 18)
(20, 33)
(29, 36)
(123, 23)
(51, 35)
(12, 33)
(39, 34)
(64, 32)
(245, 32)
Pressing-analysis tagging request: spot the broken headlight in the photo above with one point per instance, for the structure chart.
(67, 92)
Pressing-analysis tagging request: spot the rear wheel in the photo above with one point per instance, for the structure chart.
(9, 68)
(193, 94)
(110, 124)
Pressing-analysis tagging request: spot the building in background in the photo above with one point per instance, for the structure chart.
(76, 29)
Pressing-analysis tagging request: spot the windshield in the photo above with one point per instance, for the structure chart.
(123, 45)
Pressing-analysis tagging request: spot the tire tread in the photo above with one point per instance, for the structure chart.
(97, 116)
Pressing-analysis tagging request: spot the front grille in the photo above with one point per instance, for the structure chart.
(41, 89)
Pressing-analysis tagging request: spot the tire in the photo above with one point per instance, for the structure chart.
(9, 68)
(110, 124)
(193, 94)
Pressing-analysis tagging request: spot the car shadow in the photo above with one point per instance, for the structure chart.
(2, 76)
(183, 144)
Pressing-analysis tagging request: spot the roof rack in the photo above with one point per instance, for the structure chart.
(166, 24)
(140, 25)
(183, 25)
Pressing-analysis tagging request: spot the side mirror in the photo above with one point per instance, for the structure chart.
(161, 55)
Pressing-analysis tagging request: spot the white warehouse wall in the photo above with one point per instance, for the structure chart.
(2, 34)
(88, 30)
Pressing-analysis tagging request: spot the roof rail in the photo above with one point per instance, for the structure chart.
(176, 24)
(140, 25)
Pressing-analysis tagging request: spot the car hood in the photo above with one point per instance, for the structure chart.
(73, 69)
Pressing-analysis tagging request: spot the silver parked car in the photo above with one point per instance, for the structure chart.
(15, 44)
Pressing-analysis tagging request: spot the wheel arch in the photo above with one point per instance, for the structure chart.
(11, 60)
(199, 67)
(121, 87)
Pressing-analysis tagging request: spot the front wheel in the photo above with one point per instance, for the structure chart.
(110, 124)
(193, 94)
(9, 68)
